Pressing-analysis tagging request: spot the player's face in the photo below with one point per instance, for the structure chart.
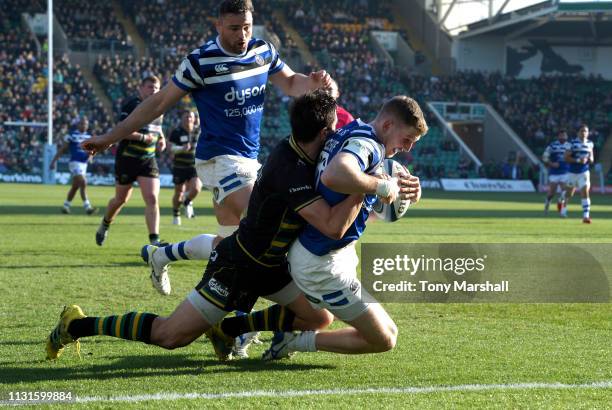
(583, 133)
(563, 136)
(399, 137)
(83, 125)
(188, 121)
(148, 89)
(235, 31)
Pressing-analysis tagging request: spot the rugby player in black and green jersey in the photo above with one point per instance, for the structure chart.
(187, 185)
(135, 162)
(252, 262)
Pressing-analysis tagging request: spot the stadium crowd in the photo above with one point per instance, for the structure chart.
(336, 31)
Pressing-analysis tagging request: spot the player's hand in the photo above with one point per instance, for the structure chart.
(96, 144)
(410, 188)
(321, 79)
(161, 144)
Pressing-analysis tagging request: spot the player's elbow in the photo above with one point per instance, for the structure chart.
(331, 180)
(335, 233)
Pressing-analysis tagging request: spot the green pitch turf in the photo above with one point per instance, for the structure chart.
(513, 354)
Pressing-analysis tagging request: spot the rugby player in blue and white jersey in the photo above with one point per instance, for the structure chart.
(227, 78)
(554, 159)
(579, 157)
(77, 165)
(324, 268)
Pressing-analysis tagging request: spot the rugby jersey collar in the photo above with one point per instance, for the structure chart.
(298, 150)
(229, 53)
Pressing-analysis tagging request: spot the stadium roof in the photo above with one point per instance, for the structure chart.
(578, 22)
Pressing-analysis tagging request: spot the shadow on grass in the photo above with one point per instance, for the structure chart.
(144, 366)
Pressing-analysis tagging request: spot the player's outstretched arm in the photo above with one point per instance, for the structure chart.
(145, 112)
(334, 221)
(296, 84)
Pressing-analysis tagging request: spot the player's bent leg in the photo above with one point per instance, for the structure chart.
(373, 332)
(181, 328)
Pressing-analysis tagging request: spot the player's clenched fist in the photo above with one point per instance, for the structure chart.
(321, 79)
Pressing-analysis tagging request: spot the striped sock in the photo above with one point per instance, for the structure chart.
(586, 207)
(131, 326)
(198, 248)
(274, 318)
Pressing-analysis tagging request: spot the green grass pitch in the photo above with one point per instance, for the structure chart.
(48, 259)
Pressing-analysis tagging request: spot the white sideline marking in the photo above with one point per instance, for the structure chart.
(341, 392)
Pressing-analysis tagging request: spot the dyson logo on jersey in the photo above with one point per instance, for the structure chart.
(242, 95)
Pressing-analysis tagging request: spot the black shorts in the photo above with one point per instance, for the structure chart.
(233, 281)
(182, 175)
(128, 169)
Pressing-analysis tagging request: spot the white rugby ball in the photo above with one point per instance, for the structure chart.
(395, 210)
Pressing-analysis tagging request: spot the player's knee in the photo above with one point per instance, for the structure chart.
(150, 199)
(169, 338)
(387, 339)
(322, 319)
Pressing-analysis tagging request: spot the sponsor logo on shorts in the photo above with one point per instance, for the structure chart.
(301, 188)
(354, 287)
(218, 288)
(216, 193)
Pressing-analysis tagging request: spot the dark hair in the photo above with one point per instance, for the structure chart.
(150, 78)
(583, 125)
(311, 113)
(561, 131)
(406, 110)
(235, 7)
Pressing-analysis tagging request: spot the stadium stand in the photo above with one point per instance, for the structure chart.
(23, 93)
(337, 32)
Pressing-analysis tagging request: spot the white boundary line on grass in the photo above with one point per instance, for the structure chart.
(340, 392)
(331, 392)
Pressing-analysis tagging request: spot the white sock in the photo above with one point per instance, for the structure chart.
(199, 247)
(67, 203)
(305, 342)
(86, 204)
(586, 207)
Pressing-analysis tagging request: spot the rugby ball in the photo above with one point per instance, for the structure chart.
(395, 210)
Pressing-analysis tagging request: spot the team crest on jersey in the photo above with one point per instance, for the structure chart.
(259, 60)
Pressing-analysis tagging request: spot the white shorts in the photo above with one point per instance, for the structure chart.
(579, 181)
(329, 281)
(558, 178)
(225, 174)
(77, 168)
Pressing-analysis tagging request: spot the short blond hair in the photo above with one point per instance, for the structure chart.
(407, 110)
